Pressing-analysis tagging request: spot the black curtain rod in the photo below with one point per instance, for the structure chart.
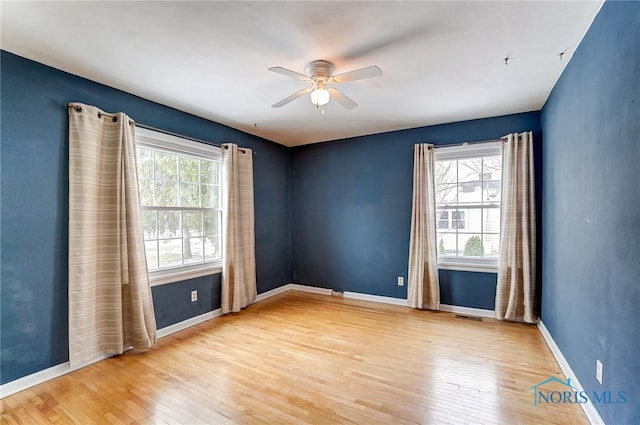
(465, 143)
(159, 130)
(78, 108)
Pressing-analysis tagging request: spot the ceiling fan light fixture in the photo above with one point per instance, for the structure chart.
(320, 96)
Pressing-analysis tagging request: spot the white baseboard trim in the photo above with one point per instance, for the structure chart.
(589, 408)
(271, 293)
(177, 327)
(375, 298)
(34, 379)
(468, 311)
(305, 288)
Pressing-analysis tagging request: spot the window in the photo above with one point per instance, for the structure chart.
(468, 180)
(179, 183)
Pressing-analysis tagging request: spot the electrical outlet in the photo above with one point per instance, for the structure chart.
(400, 281)
(599, 370)
(194, 295)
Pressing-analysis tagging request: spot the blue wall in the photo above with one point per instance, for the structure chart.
(591, 274)
(351, 210)
(34, 210)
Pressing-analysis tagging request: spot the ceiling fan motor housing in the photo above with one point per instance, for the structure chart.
(319, 70)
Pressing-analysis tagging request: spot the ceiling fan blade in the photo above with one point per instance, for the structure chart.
(358, 74)
(291, 98)
(289, 73)
(343, 100)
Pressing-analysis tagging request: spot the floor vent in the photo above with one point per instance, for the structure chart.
(462, 316)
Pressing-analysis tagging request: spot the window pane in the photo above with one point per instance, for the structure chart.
(491, 192)
(210, 197)
(212, 223)
(471, 245)
(209, 172)
(192, 250)
(166, 166)
(189, 169)
(170, 252)
(460, 219)
(469, 170)
(144, 158)
(149, 225)
(492, 168)
(192, 223)
(491, 220)
(145, 187)
(151, 250)
(446, 172)
(166, 194)
(470, 193)
(169, 225)
(212, 248)
(166, 186)
(491, 245)
(446, 193)
(446, 244)
(189, 195)
(470, 189)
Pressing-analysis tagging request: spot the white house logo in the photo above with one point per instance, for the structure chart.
(570, 394)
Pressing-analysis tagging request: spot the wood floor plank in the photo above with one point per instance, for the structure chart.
(300, 358)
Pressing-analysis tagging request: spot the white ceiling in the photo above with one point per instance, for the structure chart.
(442, 61)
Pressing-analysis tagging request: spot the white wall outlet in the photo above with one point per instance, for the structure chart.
(194, 295)
(400, 281)
(599, 371)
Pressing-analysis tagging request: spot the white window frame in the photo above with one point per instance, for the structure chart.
(157, 140)
(450, 153)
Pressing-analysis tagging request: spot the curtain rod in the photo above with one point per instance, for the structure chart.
(159, 130)
(78, 108)
(466, 143)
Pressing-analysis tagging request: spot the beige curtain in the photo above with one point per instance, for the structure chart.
(515, 294)
(423, 283)
(239, 260)
(110, 305)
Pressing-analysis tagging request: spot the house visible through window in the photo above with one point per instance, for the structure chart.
(180, 194)
(467, 180)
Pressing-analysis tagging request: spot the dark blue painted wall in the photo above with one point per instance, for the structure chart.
(34, 210)
(168, 311)
(351, 209)
(591, 275)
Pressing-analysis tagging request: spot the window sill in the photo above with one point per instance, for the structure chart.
(178, 275)
(482, 268)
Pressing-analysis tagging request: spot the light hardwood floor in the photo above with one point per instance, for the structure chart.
(303, 358)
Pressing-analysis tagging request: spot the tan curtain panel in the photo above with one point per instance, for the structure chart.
(515, 294)
(423, 283)
(110, 305)
(239, 259)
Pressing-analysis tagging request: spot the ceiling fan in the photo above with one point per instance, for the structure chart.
(319, 74)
